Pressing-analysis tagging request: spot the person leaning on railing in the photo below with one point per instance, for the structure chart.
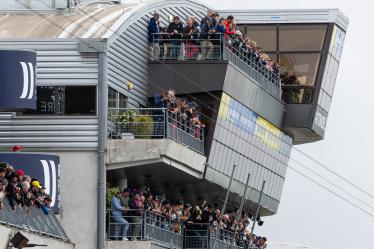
(153, 35)
(208, 29)
(175, 29)
(191, 33)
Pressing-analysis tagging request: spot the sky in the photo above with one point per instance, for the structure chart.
(308, 214)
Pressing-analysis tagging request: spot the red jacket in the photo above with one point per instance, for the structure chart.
(228, 29)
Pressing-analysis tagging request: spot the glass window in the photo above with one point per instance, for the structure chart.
(80, 100)
(112, 98)
(301, 37)
(122, 101)
(299, 68)
(264, 35)
(65, 100)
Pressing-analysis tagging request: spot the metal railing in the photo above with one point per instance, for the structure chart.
(32, 219)
(221, 48)
(186, 49)
(144, 225)
(147, 225)
(155, 123)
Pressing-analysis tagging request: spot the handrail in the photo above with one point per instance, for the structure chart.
(155, 123)
(150, 225)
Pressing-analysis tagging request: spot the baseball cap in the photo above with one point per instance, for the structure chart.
(20, 172)
(36, 184)
(17, 148)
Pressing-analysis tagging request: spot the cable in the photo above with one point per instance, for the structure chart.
(334, 173)
(332, 192)
(334, 184)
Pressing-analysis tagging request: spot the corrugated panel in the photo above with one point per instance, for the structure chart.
(58, 63)
(289, 16)
(128, 51)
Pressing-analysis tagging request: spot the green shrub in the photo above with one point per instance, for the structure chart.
(110, 192)
(143, 126)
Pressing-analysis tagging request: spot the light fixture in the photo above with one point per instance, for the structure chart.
(19, 241)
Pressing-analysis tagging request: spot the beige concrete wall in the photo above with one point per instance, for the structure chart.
(128, 245)
(126, 153)
(8, 232)
(78, 197)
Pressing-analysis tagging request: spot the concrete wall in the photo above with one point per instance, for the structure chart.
(136, 245)
(78, 197)
(128, 245)
(8, 232)
(143, 151)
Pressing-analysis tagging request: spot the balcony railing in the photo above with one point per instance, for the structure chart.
(32, 219)
(154, 123)
(147, 225)
(221, 48)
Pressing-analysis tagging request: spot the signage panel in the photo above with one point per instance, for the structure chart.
(17, 80)
(249, 121)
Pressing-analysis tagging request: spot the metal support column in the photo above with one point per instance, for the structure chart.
(102, 138)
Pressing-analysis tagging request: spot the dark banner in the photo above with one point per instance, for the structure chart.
(45, 168)
(17, 80)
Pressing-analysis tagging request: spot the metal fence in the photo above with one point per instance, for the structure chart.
(154, 123)
(32, 219)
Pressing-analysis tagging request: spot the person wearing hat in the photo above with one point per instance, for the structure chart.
(17, 148)
(120, 223)
(36, 189)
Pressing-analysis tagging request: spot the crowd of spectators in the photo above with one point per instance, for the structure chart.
(183, 114)
(128, 206)
(204, 40)
(21, 190)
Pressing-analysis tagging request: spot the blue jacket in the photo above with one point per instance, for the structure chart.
(152, 29)
(220, 32)
(115, 205)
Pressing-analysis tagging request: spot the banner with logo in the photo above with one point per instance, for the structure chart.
(17, 80)
(253, 124)
(45, 168)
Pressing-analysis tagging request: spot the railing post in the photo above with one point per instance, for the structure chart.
(166, 123)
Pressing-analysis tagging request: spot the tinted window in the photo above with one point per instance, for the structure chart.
(301, 65)
(264, 35)
(65, 100)
(301, 37)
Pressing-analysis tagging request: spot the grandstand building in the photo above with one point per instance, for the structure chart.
(94, 67)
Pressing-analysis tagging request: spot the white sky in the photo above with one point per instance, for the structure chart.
(307, 213)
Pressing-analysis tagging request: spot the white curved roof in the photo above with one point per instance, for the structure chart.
(86, 21)
(95, 20)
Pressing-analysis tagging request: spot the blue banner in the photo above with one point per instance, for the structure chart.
(45, 168)
(17, 80)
